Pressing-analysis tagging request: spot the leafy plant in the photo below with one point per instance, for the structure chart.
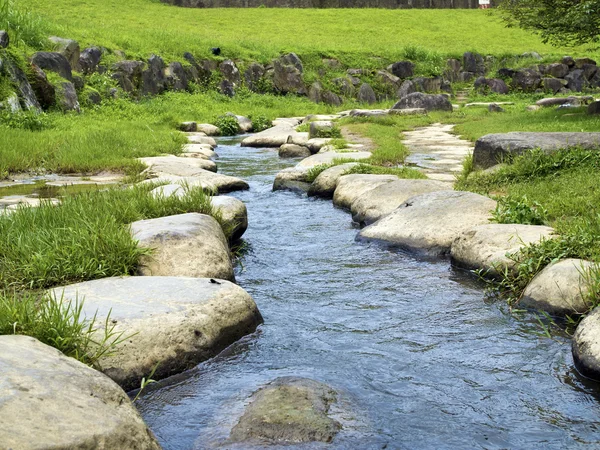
(25, 120)
(228, 125)
(519, 210)
(333, 132)
(260, 123)
(25, 27)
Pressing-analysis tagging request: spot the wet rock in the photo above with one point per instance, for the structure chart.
(293, 151)
(4, 39)
(54, 62)
(205, 179)
(559, 289)
(288, 410)
(375, 203)
(253, 74)
(184, 245)
(230, 72)
(366, 94)
(68, 404)
(66, 96)
(351, 187)
(153, 78)
(488, 247)
(69, 49)
(402, 69)
(287, 74)
(326, 182)
(429, 223)
(429, 102)
(174, 165)
(172, 323)
(89, 59)
(292, 179)
(586, 346)
(494, 148)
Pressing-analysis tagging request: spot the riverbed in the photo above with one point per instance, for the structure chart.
(422, 359)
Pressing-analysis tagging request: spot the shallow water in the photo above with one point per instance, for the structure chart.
(420, 358)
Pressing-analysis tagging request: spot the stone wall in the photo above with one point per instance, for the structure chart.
(388, 4)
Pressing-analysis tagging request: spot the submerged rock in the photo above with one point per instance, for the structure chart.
(184, 245)
(171, 323)
(289, 410)
(429, 223)
(51, 401)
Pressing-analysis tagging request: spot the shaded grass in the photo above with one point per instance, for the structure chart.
(85, 237)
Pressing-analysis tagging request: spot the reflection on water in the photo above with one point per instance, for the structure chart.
(420, 359)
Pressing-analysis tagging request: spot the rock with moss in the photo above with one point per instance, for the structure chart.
(66, 97)
(428, 224)
(234, 214)
(429, 102)
(68, 404)
(4, 39)
(170, 323)
(53, 62)
(366, 94)
(560, 289)
(68, 48)
(289, 410)
(89, 59)
(12, 68)
(288, 75)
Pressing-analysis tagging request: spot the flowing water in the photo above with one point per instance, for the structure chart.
(421, 360)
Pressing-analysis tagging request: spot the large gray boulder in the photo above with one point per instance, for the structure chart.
(253, 76)
(429, 223)
(184, 245)
(560, 288)
(26, 94)
(326, 182)
(216, 182)
(289, 410)
(230, 72)
(176, 77)
(171, 323)
(492, 149)
(487, 247)
(45, 92)
(68, 48)
(154, 81)
(54, 62)
(201, 138)
(287, 74)
(526, 80)
(376, 203)
(366, 94)
(129, 74)
(351, 187)
(429, 102)
(174, 165)
(50, 401)
(586, 345)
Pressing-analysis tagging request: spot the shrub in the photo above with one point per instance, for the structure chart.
(25, 120)
(260, 123)
(228, 125)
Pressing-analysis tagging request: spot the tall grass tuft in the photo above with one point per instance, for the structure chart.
(25, 27)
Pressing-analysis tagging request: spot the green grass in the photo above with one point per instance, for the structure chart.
(84, 237)
(400, 172)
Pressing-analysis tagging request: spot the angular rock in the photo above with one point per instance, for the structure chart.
(66, 96)
(26, 95)
(315, 92)
(453, 69)
(594, 108)
(429, 223)
(329, 98)
(176, 77)
(580, 62)
(287, 74)
(366, 94)
(494, 107)
(553, 85)
(69, 49)
(291, 179)
(586, 346)
(589, 70)
(154, 81)
(128, 74)
(288, 410)
(326, 182)
(492, 149)
(429, 102)
(174, 165)
(293, 151)
(495, 85)
(559, 289)
(388, 79)
(230, 72)
(345, 86)
(184, 245)
(253, 75)
(407, 87)
(526, 80)
(89, 59)
(576, 80)
(68, 404)
(172, 323)
(402, 69)
(557, 70)
(44, 91)
(473, 63)
(351, 187)
(373, 204)
(487, 246)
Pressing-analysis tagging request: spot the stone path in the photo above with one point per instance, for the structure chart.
(437, 152)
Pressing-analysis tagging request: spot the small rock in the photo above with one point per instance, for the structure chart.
(586, 346)
(559, 289)
(293, 151)
(188, 126)
(494, 107)
(208, 129)
(4, 39)
(326, 182)
(594, 108)
(318, 127)
(402, 69)
(89, 59)
(292, 179)
(227, 88)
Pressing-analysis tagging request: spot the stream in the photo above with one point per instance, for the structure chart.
(419, 356)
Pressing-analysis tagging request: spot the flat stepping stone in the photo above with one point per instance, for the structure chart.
(211, 181)
(51, 401)
(201, 138)
(288, 410)
(493, 149)
(487, 246)
(271, 137)
(294, 151)
(586, 345)
(351, 187)
(429, 223)
(486, 104)
(175, 322)
(183, 245)
(208, 129)
(180, 167)
(376, 203)
(292, 179)
(559, 289)
(200, 150)
(326, 182)
(329, 157)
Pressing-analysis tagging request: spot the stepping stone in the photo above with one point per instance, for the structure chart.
(559, 289)
(586, 345)
(487, 246)
(326, 182)
(493, 149)
(271, 137)
(294, 151)
(429, 223)
(51, 401)
(291, 179)
(329, 157)
(184, 245)
(173, 165)
(175, 322)
(288, 410)
(351, 187)
(211, 181)
(376, 203)
(201, 138)
(208, 129)
(200, 150)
